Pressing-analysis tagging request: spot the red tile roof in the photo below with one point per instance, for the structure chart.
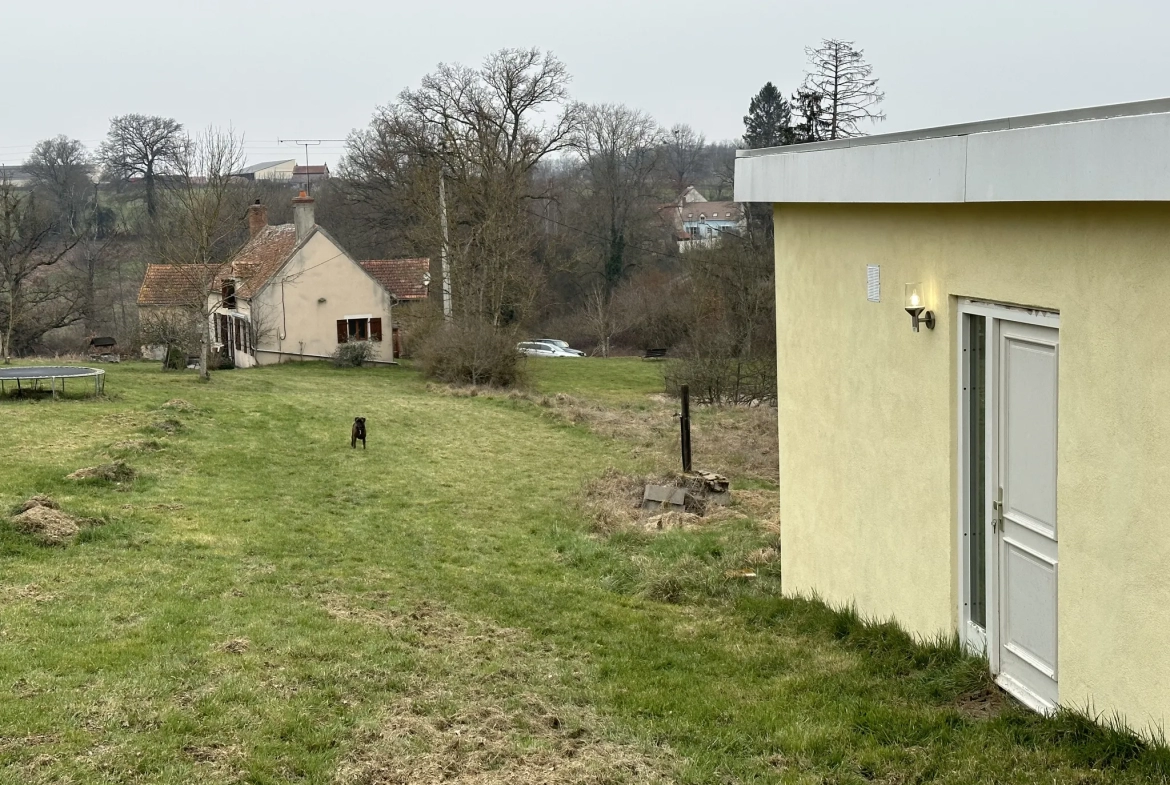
(176, 284)
(263, 256)
(406, 279)
(259, 259)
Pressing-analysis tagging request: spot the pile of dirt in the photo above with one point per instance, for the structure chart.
(118, 471)
(167, 426)
(482, 706)
(178, 404)
(44, 519)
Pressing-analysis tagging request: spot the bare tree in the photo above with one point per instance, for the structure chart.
(484, 130)
(684, 156)
(200, 223)
(847, 89)
(620, 151)
(142, 146)
(60, 169)
(30, 248)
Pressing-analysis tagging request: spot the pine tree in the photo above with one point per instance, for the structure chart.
(814, 125)
(769, 119)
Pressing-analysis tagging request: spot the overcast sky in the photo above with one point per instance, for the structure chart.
(316, 69)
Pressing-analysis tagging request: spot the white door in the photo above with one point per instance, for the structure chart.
(1024, 527)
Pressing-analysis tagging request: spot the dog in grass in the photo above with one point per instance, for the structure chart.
(358, 433)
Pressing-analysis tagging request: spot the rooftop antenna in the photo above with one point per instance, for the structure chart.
(307, 143)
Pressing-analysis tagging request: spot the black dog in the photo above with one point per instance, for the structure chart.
(358, 432)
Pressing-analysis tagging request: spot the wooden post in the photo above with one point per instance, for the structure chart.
(685, 426)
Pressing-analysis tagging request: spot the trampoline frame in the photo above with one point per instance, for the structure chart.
(98, 375)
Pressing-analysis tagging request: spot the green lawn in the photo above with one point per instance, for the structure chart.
(617, 380)
(265, 604)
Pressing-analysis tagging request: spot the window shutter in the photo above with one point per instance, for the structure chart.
(342, 331)
(376, 329)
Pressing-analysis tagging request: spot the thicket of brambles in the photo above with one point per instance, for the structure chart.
(561, 221)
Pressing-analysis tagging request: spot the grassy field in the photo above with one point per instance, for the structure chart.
(264, 604)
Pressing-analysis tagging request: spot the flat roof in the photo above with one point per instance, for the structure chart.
(1119, 152)
(1132, 109)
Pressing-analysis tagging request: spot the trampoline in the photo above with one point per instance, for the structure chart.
(37, 377)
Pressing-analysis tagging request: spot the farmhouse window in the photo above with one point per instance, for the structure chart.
(228, 295)
(360, 329)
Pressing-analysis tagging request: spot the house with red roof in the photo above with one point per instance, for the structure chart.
(292, 292)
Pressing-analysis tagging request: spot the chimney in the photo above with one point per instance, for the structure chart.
(257, 218)
(303, 216)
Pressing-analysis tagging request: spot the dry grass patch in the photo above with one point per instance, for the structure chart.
(116, 471)
(484, 706)
(234, 646)
(178, 404)
(613, 502)
(739, 442)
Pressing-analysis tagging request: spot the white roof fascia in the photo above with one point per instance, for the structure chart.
(1116, 153)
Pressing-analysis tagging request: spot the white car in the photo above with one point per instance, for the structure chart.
(562, 345)
(541, 349)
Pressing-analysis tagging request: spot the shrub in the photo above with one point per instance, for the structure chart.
(354, 354)
(471, 352)
(724, 380)
(176, 359)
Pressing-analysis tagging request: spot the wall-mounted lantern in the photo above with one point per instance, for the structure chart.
(916, 306)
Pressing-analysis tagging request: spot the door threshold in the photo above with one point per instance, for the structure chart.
(1017, 690)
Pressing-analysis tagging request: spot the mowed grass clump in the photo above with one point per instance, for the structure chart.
(265, 604)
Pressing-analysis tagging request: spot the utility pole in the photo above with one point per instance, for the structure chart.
(307, 143)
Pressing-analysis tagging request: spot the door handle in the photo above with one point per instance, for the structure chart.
(997, 512)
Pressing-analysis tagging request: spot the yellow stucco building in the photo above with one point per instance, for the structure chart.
(1003, 471)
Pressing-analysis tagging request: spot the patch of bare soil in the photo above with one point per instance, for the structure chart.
(984, 704)
(117, 471)
(43, 518)
(478, 710)
(178, 404)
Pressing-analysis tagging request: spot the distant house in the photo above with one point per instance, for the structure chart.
(291, 293)
(270, 170)
(696, 222)
(305, 176)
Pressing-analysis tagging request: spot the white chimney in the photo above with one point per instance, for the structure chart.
(303, 215)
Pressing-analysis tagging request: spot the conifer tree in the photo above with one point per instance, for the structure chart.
(769, 119)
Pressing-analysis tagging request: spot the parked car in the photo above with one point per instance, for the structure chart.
(542, 349)
(562, 345)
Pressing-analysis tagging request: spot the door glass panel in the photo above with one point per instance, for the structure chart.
(977, 468)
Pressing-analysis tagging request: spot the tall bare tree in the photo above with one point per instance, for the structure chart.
(484, 130)
(142, 146)
(620, 150)
(684, 156)
(33, 299)
(847, 89)
(200, 224)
